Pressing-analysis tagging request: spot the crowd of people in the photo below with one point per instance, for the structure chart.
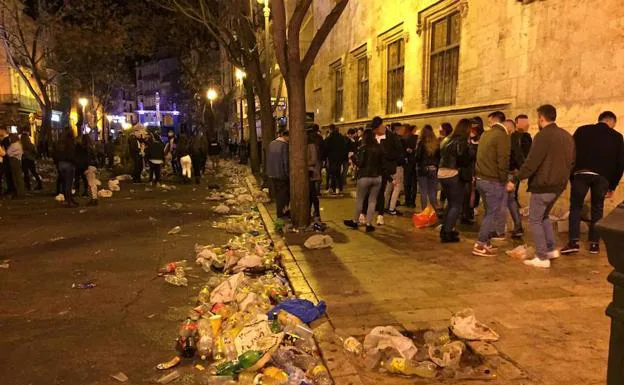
(78, 159)
(461, 167)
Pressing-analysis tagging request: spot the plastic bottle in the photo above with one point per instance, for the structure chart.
(275, 326)
(353, 346)
(399, 365)
(230, 349)
(171, 266)
(204, 296)
(176, 281)
(204, 346)
(320, 376)
(218, 350)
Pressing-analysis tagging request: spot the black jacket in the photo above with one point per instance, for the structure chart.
(456, 154)
(370, 161)
(518, 155)
(410, 143)
(82, 156)
(65, 152)
(393, 153)
(155, 150)
(600, 149)
(423, 160)
(336, 147)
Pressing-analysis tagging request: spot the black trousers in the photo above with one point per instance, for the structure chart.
(335, 174)
(314, 200)
(582, 184)
(137, 167)
(281, 191)
(199, 163)
(29, 166)
(80, 176)
(410, 185)
(155, 172)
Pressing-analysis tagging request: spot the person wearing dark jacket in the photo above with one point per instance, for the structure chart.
(14, 155)
(5, 168)
(65, 155)
(155, 158)
(427, 159)
(369, 160)
(336, 148)
(314, 172)
(82, 163)
(410, 174)
(598, 168)
(199, 154)
(456, 159)
(134, 147)
(520, 146)
(29, 162)
(548, 168)
(278, 171)
(472, 196)
(90, 172)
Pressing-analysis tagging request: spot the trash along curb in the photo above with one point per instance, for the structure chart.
(340, 368)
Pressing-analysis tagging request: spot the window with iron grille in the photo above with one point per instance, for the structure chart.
(362, 111)
(396, 70)
(444, 60)
(338, 98)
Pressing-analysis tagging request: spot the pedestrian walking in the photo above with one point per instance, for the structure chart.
(337, 152)
(314, 172)
(155, 158)
(427, 159)
(29, 163)
(199, 154)
(171, 152)
(278, 172)
(5, 167)
(410, 172)
(492, 172)
(65, 155)
(521, 138)
(598, 169)
(352, 147)
(510, 199)
(472, 196)
(183, 150)
(369, 161)
(548, 168)
(214, 151)
(83, 151)
(455, 159)
(444, 131)
(14, 155)
(395, 185)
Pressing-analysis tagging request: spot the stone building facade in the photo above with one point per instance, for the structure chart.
(428, 61)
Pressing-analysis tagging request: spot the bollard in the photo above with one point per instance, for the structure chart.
(612, 232)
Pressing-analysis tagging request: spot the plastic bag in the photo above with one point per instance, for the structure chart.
(113, 185)
(426, 218)
(244, 198)
(319, 241)
(226, 291)
(105, 193)
(60, 198)
(124, 177)
(305, 310)
(247, 262)
(447, 355)
(221, 209)
(465, 325)
(387, 337)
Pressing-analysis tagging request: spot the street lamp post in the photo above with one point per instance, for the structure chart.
(83, 102)
(240, 75)
(212, 96)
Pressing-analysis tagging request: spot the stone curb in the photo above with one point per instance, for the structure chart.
(341, 370)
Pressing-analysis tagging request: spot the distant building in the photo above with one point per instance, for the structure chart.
(124, 105)
(158, 93)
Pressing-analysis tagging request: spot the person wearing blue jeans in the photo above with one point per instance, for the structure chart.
(510, 203)
(492, 171)
(548, 167)
(428, 184)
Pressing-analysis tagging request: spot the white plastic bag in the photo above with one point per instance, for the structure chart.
(221, 209)
(464, 325)
(113, 185)
(387, 337)
(105, 193)
(226, 291)
(319, 241)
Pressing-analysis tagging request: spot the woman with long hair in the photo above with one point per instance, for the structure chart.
(455, 156)
(90, 172)
(427, 160)
(66, 158)
(314, 171)
(369, 161)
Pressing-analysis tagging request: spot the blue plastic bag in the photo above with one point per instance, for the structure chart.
(305, 310)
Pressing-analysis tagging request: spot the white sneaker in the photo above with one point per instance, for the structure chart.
(337, 191)
(554, 254)
(536, 262)
(380, 220)
(362, 219)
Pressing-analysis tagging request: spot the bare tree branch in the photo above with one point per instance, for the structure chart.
(321, 35)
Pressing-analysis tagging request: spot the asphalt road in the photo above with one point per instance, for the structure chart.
(54, 334)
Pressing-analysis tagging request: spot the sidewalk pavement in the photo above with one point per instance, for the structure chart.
(552, 323)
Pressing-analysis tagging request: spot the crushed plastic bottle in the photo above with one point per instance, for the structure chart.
(399, 365)
(353, 346)
(179, 279)
(171, 266)
(320, 376)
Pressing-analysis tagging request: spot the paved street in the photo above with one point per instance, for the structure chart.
(53, 334)
(551, 323)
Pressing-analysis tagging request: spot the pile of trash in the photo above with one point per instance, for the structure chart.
(247, 327)
(463, 351)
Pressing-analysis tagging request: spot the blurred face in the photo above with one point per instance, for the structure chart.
(541, 122)
(441, 132)
(380, 130)
(509, 126)
(610, 122)
(522, 124)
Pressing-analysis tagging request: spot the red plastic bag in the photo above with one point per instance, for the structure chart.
(426, 218)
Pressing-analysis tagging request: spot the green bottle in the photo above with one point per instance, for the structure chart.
(228, 368)
(275, 326)
(249, 359)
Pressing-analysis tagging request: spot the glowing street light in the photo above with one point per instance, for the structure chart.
(240, 74)
(211, 94)
(83, 102)
(399, 105)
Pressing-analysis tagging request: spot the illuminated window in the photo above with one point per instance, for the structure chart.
(338, 98)
(362, 111)
(396, 71)
(444, 60)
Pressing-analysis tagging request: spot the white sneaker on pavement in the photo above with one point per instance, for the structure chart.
(380, 220)
(554, 254)
(536, 262)
(362, 219)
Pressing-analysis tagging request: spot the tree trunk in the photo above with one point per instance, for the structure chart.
(266, 118)
(299, 185)
(251, 121)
